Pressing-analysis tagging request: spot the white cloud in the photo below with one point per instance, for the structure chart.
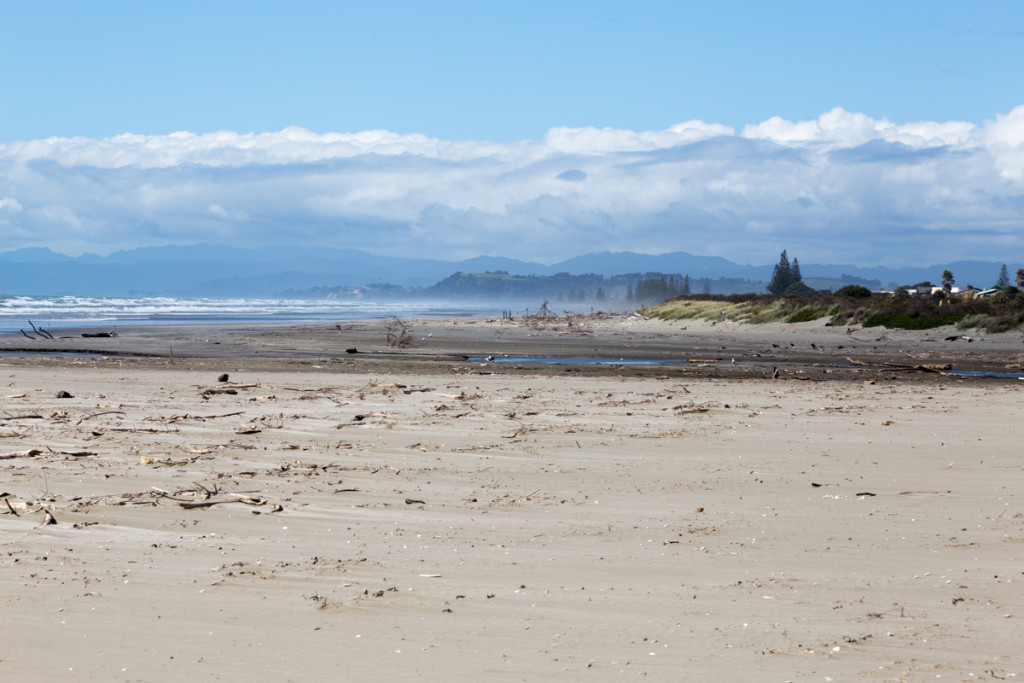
(1004, 139)
(839, 128)
(218, 211)
(599, 140)
(10, 204)
(842, 187)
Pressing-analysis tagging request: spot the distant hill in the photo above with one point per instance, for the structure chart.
(225, 271)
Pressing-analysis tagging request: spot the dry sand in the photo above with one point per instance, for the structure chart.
(395, 516)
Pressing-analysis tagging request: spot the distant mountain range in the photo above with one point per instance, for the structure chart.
(223, 271)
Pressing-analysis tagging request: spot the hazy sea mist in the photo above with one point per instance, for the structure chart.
(55, 313)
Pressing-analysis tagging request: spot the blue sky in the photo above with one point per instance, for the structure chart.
(536, 115)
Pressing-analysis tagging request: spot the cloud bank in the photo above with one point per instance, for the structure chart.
(844, 187)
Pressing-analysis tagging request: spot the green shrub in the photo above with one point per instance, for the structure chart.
(902, 321)
(979, 320)
(799, 289)
(854, 292)
(806, 315)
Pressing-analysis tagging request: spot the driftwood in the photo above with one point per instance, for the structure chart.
(11, 507)
(230, 389)
(33, 452)
(933, 367)
(40, 331)
(214, 392)
(201, 418)
(104, 335)
(105, 412)
(246, 500)
(692, 408)
(144, 460)
(397, 333)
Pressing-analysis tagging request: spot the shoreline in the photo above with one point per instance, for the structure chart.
(713, 349)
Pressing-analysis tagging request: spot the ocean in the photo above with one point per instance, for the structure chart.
(54, 313)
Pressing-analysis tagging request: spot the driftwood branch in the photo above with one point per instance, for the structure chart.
(105, 412)
(246, 500)
(935, 368)
(40, 331)
(33, 452)
(229, 389)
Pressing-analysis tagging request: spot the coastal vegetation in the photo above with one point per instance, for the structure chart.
(856, 305)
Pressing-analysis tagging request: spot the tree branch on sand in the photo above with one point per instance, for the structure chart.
(397, 333)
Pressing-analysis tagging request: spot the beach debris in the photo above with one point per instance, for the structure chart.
(413, 501)
(33, 452)
(48, 518)
(144, 460)
(105, 412)
(100, 335)
(62, 394)
(28, 416)
(691, 407)
(246, 500)
(230, 389)
(40, 331)
(398, 333)
(931, 367)
(10, 507)
(223, 378)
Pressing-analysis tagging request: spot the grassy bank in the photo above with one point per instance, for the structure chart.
(853, 306)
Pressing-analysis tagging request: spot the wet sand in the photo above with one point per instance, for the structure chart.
(406, 514)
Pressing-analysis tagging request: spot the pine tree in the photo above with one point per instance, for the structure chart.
(1004, 278)
(1020, 277)
(707, 285)
(782, 275)
(785, 274)
(686, 285)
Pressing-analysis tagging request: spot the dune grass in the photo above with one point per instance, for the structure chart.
(855, 306)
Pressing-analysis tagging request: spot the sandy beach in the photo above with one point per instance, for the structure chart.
(763, 508)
